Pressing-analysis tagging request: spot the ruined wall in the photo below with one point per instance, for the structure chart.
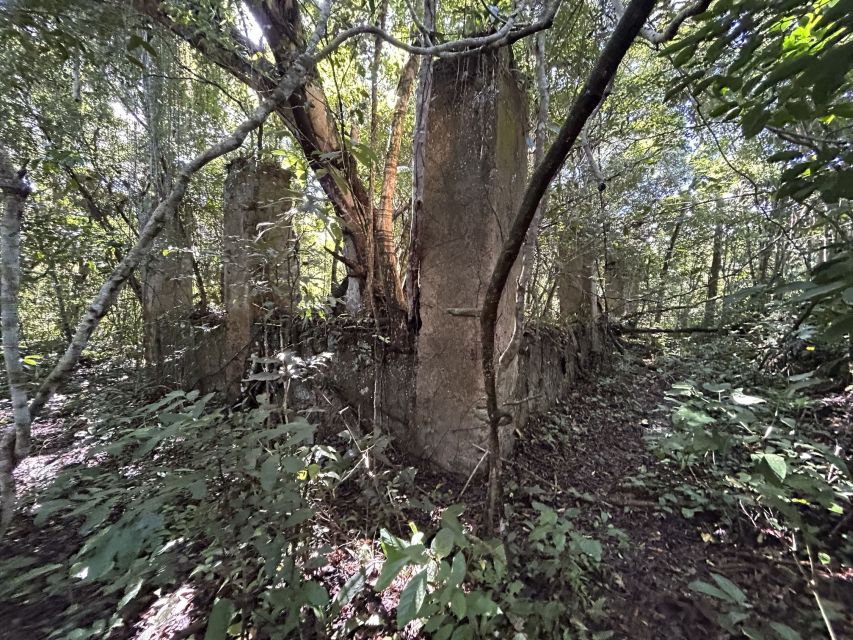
(475, 174)
(167, 300)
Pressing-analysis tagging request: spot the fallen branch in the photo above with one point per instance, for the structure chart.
(620, 329)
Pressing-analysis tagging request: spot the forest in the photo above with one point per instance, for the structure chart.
(412, 319)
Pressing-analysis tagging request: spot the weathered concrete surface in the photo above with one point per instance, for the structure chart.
(475, 174)
(260, 264)
(167, 299)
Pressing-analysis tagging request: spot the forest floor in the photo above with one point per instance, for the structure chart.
(587, 458)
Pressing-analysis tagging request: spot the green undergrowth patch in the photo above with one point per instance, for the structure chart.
(753, 454)
(269, 533)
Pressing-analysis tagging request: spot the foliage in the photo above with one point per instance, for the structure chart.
(757, 452)
(180, 491)
(531, 586)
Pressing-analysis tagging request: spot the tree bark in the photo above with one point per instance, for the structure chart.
(667, 261)
(14, 438)
(386, 252)
(528, 250)
(422, 100)
(714, 277)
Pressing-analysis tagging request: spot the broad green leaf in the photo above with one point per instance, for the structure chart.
(269, 472)
(776, 463)
(457, 604)
(351, 589)
(442, 543)
(412, 599)
(730, 588)
(457, 570)
(710, 590)
(785, 632)
(220, 617)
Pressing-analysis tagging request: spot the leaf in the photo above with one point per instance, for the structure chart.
(744, 400)
(351, 589)
(390, 570)
(709, 590)
(412, 599)
(730, 588)
(785, 632)
(590, 547)
(777, 464)
(315, 594)
(442, 543)
(457, 570)
(269, 473)
(457, 604)
(220, 616)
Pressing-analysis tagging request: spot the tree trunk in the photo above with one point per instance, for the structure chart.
(308, 118)
(714, 277)
(15, 437)
(386, 251)
(423, 97)
(667, 262)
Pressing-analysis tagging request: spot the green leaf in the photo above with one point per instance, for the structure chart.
(390, 570)
(269, 472)
(590, 547)
(351, 589)
(457, 604)
(412, 599)
(776, 463)
(442, 543)
(785, 632)
(220, 617)
(457, 570)
(315, 594)
(730, 588)
(709, 590)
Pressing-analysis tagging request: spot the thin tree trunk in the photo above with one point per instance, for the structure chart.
(14, 438)
(664, 272)
(528, 250)
(422, 99)
(714, 277)
(386, 255)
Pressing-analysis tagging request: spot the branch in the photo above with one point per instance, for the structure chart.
(669, 31)
(456, 48)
